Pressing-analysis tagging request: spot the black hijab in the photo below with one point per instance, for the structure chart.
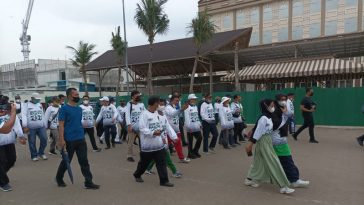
(263, 105)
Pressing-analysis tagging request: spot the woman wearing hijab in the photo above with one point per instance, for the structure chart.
(266, 166)
(280, 143)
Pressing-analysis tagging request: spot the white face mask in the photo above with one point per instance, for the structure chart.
(85, 102)
(282, 103)
(271, 109)
(18, 101)
(161, 108)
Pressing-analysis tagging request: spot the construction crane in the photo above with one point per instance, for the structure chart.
(25, 38)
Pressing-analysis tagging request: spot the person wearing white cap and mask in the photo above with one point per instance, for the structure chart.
(108, 115)
(88, 121)
(227, 122)
(33, 122)
(193, 127)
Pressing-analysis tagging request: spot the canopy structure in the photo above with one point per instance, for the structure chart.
(176, 57)
(296, 69)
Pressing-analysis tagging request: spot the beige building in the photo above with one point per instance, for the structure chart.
(290, 23)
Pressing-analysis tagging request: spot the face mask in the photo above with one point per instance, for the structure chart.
(36, 101)
(55, 104)
(86, 102)
(209, 101)
(271, 109)
(161, 108)
(311, 94)
(76, 99)
(282, 103)
(122, 104)
(17, 101)
(113, 103)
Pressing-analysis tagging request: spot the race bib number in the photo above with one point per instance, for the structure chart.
(175, 120)
(108, 115)
(36, 115)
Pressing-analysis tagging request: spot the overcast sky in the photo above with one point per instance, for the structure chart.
(57, 23)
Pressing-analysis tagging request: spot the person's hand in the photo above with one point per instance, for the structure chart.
(61, 144)
(312, 110)
(113, 120)
(185, 106)
(129, 129)
(25, 130)
(284, 109)
(249, 147)
(23, 140)
(157, 133)
(13, 108)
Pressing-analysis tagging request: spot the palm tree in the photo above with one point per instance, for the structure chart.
(152, 20)
(118, 45)
(202, 30)
(82, 56)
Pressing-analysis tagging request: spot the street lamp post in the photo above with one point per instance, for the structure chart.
(126, 53)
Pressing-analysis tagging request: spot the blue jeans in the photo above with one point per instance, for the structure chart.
(208, 128)
(42, 134)
(292, 125)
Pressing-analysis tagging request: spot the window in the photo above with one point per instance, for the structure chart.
(345, 83)
(267, 14)
(331, 27)
(315, 30)
(227, 24)
(283, 34)
(283, 11)
(351, 25)
(297, 32)
(297, 8)
(267, 37)
(254, 39)
(351, 3)
(331, 5)
(315, 6)
(254, 16)
(240, 20)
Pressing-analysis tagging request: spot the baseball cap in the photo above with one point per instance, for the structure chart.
(105, 98)
(192, 96)
(36, 96)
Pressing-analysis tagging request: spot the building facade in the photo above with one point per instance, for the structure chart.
(281, 21)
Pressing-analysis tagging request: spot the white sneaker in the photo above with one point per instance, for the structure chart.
(300, 184)
(149, 172)
(286, 190)
(185, 160)
(251, 183)
(34, 159)
(177, 175)
(207, 153)
(44, 157)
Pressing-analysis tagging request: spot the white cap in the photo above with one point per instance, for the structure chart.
(36, 96)
(105, 98)
(192, 96)
(224, 99)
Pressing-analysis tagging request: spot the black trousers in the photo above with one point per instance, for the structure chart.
(238, 132)
(181, 129)
(7, 160)
(91, 133)
(80, 147)
(194, 149)
(110, 129)
(160, 160)
(289, 168)
(308, 122)
(208, 128)
(123, 132)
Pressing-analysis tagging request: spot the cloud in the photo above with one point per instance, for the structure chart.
(55, 24)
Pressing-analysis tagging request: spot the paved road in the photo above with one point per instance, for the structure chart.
(335, 168)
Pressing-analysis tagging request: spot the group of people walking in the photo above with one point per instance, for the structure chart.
(158, 129)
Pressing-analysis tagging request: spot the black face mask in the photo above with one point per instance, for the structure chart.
(76, 99)
(122, 104)
(137, 99)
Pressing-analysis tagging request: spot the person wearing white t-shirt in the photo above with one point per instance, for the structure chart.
(290, 107)
(88, 121)
(108, 115)
(152, 143)
(208, 124)
(51, 121)
(122, 129)
(227, 123)
(193, 127)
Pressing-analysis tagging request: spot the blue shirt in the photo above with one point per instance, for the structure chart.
(72, 116)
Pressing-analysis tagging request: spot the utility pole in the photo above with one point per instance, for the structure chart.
(126, 54)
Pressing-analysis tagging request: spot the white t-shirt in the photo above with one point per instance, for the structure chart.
(108, 114)
(87, 116)
(172, 115)
(51, 115)
(226, 118)
(192, 120)
(237, 108)
(33, 116)
(207, 112)
(148, 123)
(10, 138)
(132, 115)
(121, 113)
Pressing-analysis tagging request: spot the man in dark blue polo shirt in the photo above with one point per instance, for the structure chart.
(71, 136)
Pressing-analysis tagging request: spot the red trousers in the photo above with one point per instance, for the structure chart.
(177, 146)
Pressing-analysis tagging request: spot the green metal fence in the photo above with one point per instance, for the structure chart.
(335, 106)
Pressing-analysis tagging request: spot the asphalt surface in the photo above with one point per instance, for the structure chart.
(335, 168)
